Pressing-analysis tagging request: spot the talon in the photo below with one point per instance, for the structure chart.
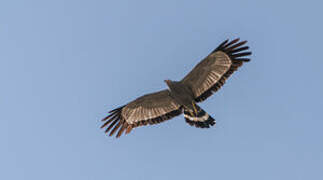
(192, 114)
(194, 107)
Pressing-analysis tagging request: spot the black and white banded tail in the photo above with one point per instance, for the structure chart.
(201, 120)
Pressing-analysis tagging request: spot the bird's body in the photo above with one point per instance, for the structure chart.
(181, 93)
(184, 96)
(207, 77)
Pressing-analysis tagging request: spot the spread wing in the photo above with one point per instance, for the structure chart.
(148, 109)
(211, 73)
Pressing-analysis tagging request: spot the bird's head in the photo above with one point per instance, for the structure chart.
(168, 82)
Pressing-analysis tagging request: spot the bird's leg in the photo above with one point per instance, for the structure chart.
(192, 114)
(194, 107)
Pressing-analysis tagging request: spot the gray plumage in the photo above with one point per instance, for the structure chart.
(181, 93)
(181, 96)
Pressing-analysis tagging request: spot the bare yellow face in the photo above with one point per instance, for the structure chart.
(168, 82)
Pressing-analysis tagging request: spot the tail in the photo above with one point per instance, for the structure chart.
(201, 120)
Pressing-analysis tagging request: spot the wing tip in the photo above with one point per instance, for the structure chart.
(235, 49)
(115, 122)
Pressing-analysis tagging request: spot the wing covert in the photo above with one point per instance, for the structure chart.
(210, 74)
(148, 109)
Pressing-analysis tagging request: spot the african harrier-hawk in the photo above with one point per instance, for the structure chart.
(181, 96)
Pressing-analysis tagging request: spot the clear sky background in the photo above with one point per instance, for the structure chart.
(65, 64)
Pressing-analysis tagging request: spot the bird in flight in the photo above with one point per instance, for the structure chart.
(182, 96)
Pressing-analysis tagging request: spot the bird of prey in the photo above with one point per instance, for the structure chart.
(207, 77)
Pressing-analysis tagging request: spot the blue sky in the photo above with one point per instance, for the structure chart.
(64, 64)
